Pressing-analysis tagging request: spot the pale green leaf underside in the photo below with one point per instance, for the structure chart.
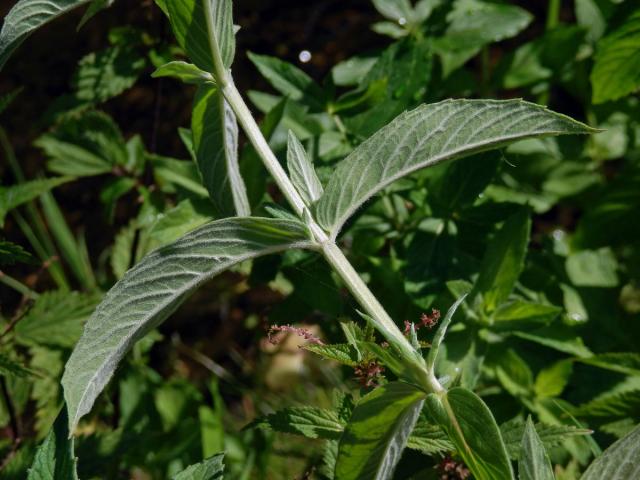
(621, 461)
(210, 469)
(154, 288)
(301, 171)
(215, 141)
(534, 462)
(27, 16)
(377, 432)
(428, 135)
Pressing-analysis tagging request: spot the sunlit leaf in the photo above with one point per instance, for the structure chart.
(426, 136)
(215, 142)
(621, 461)
(377, 432)
(27, 16)
(154, 288)
(616, 72)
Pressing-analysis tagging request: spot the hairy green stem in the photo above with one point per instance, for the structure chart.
(334, 256)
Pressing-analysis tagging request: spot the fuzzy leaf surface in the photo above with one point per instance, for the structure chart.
(215, 141)
(621, 461)
(377, 432)
(534, 463)
(428, 135)
(472, 428)
(27, 16)
(303, 175)
(310, 422)
(155, 288)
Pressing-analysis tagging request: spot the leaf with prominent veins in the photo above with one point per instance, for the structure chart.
(215, 141)
(191, 28)
(156, 287)
(301, 171)
(377, 432)
(27, 16)
(428, 135)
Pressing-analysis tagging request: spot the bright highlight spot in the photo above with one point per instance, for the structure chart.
(304, 56)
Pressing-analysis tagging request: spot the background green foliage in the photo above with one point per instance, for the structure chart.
(542, 235)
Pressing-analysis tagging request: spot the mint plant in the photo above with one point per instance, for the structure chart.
(424, 409)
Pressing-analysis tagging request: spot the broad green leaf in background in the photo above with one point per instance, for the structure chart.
(593, 268)
(301, 171)
(552, 380)
(55, 458)
(185, 72)
(473, 24)
(464, 181)
(16, 195)
(209, 469)
(289, 80)
(190, 26)
(89, 143)
(550, 435)
(621, 461)
(107, 73)
(534, 463)
(12, 368)
(155, 288)
(521, 314)
(426, 136)
(472, 428)
(504, 260)
(311, 422)
(56, 319)
(351, 71)
(616, 72)
(184, 217)
(215, 142)
(25, 17)
(377, 432)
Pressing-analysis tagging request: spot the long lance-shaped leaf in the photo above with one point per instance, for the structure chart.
(621, 461)
(27, 16)
(154, 288)
(428, 135)
(301, 170)
(534, 463)
(215, 141)
(377, 433)
(55, 458)
(191, 28)
(472, 428)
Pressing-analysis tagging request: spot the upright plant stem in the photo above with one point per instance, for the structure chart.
(334, 256)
